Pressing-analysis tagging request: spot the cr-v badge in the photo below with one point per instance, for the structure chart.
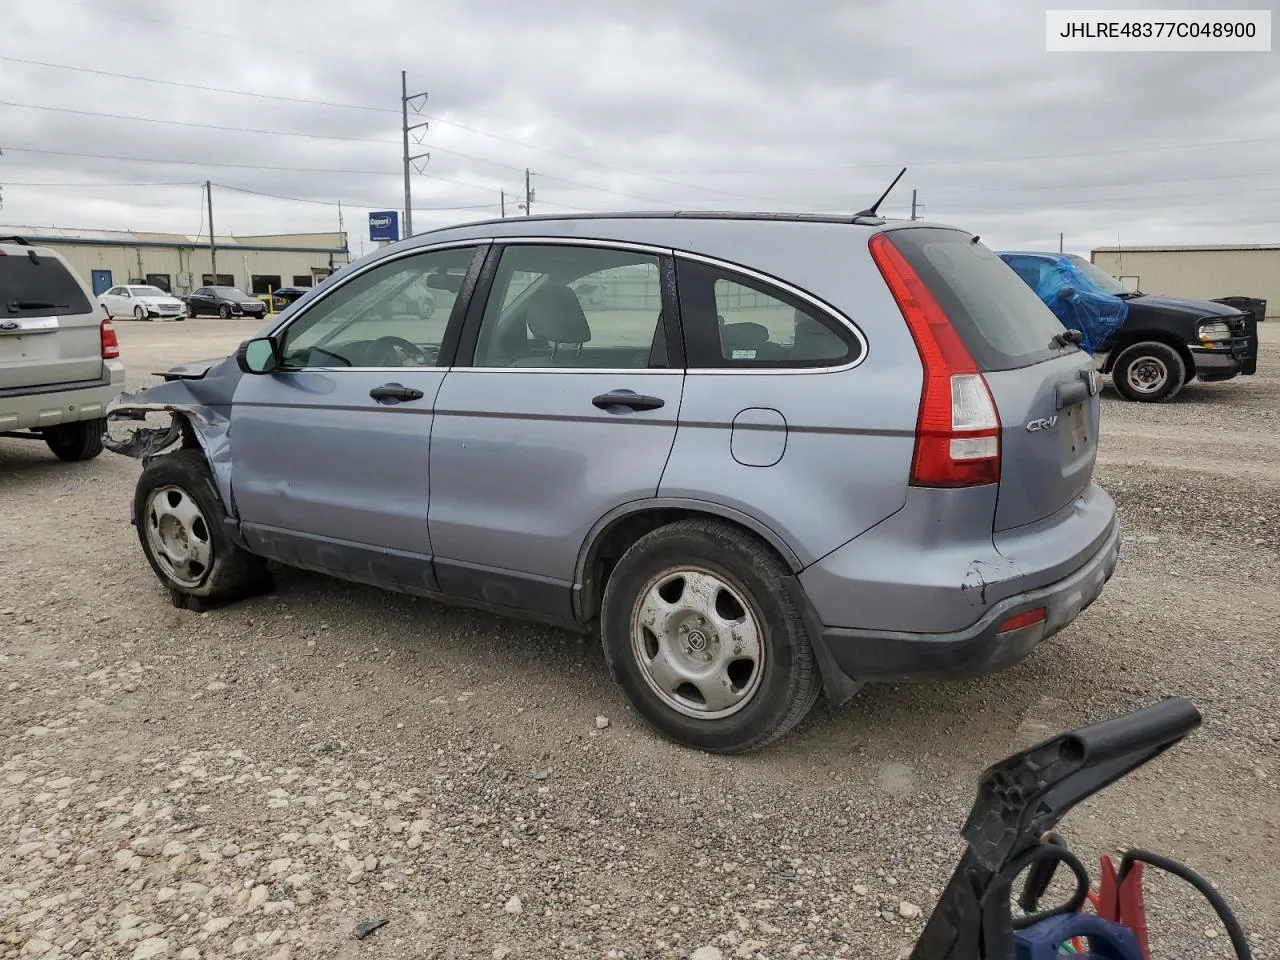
(1044, 423)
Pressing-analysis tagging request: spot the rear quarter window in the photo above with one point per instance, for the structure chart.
(1001, 320)
(39, 287)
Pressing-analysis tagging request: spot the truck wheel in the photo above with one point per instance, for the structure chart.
(76, 441)
(180, 527)
(1149, 372)
(705, 641)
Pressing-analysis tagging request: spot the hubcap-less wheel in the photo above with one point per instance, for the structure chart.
(178, 535)
(1148, 375)
(698, 642)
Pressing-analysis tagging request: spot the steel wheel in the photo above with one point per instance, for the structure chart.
(1147, 375)
(698, 642)
(178, 535)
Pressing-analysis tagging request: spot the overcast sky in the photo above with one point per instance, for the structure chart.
(719, 104)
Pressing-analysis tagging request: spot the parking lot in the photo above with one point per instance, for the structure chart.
(260, 779)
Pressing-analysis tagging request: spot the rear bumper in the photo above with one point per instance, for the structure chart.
(863, 655)
(48, 406)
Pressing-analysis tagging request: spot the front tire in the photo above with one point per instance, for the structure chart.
(1149, 372)
(224, 312)
(76, 441)
(139, 313)
(704, 640)
(181, 529)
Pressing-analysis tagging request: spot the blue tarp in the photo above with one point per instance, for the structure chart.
(1078, 303)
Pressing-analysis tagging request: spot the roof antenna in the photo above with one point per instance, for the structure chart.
(871, 210)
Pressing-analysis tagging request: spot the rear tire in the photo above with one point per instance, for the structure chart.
(704, 640)
(181, 529)
(76, 441)
(1149, 372)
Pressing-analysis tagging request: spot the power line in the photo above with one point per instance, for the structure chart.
(82, 183)
(187, 123)
(204, 32)
(346, 203)
(438, 119)
(974, 161)
(197, 86)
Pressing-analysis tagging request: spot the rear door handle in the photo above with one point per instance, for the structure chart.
(394, 393)
(627, 398)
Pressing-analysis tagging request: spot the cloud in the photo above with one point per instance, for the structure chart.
(728, 104)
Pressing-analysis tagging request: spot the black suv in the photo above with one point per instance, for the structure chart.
(1164, 341)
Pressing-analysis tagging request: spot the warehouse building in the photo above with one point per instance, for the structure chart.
(178, 263)
(1199, 272)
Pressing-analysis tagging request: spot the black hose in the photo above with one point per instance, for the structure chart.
(1234, 931)
(1048, 851)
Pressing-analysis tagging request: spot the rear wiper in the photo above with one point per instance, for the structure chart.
(16, 305)
(1067, 338)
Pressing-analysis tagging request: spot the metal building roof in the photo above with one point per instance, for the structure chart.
(1186, 248)
(131, 238)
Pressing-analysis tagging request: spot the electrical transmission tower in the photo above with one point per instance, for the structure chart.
(417, 101)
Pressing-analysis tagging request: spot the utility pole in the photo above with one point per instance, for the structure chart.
(504, 204)
(405, 101)
(529, 193)
(913, 204)
(213, 248)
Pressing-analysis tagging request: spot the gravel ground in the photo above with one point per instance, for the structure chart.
(261, 779)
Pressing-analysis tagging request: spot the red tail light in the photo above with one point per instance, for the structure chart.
(110, 343)
(958, 429)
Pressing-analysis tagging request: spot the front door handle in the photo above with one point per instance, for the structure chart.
(394, 393)
(627, 398)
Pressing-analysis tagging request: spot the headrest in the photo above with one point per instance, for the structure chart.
(744, 335)
(555, 315)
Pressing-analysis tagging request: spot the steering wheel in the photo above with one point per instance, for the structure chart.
(392, 351)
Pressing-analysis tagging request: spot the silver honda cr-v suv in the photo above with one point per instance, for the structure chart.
(764, 456)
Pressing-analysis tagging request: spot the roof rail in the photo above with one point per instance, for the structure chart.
(19, 240)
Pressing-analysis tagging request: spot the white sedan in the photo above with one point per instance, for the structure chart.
(141, 303)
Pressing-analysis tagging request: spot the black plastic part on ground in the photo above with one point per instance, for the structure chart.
(1019, 800)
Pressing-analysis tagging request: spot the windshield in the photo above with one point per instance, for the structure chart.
(147, 292)
(1098, 277)
(231, 292)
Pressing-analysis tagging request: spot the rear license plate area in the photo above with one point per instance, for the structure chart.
(1077, 427)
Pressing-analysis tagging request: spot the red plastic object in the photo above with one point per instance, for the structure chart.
(1122, 902)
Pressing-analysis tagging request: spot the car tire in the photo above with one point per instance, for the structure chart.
(705, 641)
(181, 527)
(75, 441)
(139, 313)
(1149, 372)
(224, 312)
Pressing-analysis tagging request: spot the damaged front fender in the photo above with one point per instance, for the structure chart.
(197, 398)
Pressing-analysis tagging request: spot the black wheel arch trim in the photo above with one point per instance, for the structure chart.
(587, 594)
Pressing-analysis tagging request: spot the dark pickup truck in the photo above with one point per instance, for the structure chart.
(1164, 342)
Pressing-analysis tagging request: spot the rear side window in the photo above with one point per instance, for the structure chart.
(1001, 320)
(39, 287)
(735, 321)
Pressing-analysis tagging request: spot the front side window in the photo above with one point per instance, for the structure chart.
(393, 315)
(573, 306)
(735, 321)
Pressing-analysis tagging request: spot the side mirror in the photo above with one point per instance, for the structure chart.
(258, 356)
